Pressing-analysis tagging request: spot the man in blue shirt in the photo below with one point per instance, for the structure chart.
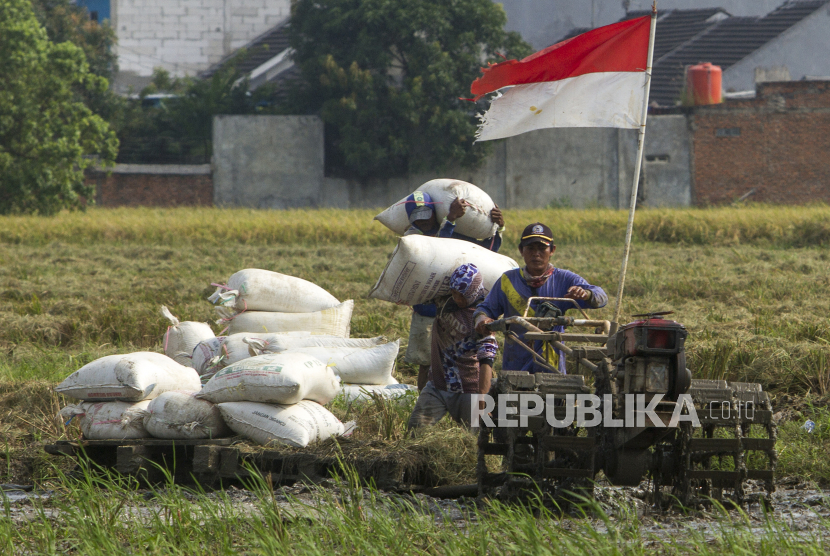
(538, 278)
(420, 208)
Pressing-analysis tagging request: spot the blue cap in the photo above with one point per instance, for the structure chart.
(419, 206)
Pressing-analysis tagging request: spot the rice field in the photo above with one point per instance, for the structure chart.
(752, 285)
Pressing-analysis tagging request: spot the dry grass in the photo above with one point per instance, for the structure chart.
(754, 224)
(752, 285)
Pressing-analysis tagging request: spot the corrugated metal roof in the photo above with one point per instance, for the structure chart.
(722, 43)
(260, 50)
(686, 37)
(674, 27)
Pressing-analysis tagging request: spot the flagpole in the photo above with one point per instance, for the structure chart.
(638, 163)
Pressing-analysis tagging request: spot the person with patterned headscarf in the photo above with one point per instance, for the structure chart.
(461, 360)
(420, 209)
(538, 278)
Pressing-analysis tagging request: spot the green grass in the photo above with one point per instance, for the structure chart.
(106, 515)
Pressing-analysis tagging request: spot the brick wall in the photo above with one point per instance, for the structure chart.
(777, 144)
(153, 185)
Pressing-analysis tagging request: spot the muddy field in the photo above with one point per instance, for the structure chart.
(796, 509)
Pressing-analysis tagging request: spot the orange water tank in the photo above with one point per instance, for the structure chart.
(703, 84)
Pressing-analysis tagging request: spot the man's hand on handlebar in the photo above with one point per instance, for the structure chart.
(481, 327)
(575, 292)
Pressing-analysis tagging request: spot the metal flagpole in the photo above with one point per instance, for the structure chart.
(638, 164)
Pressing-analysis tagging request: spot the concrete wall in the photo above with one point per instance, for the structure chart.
(804, 49)
(667, 168)
(154, 185)
(186, 36)
(277, 162)
(577, 167)
(268, 161)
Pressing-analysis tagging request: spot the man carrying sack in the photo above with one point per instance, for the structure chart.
(461, 359)
(420, 209)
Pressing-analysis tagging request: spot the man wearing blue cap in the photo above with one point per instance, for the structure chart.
(420, 209)
(538, 278)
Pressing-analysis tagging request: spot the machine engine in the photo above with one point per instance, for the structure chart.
(648, 357)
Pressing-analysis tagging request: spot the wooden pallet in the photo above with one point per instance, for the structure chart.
(209, 462)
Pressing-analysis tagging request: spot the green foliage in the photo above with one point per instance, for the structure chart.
(47, 134)
(66, 21)
(386, 77)
(179, 128)
(100, 513)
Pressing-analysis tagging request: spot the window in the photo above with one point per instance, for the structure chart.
(728, 132)
(658, 158)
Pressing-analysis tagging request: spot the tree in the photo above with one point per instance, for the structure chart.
(48, 136)
(64, 21)
(385, 76)
(180, 127)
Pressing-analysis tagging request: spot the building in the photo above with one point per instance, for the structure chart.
(544, 22)
(184, 37)
(771, 148)
(788, 43)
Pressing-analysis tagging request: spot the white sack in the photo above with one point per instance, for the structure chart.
(260, 344)
(421, 266)
(296, 425)
(335, 321)
(181, 415)
(372, 365)
(364, 392)
(182, 337)
(475, 222)
(212, 355)
(143, 375)
(109, 420)
(254, 289)
(283, 378)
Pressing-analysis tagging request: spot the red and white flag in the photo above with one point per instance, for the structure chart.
(596, 79)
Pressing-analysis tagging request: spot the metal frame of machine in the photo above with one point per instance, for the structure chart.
(734, 442)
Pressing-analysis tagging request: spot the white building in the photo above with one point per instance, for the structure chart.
(183, 37)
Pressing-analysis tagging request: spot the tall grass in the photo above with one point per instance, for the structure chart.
(105, 515)
(751, 225)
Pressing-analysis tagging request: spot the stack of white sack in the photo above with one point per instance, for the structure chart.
(420, 268)
(277, 398)
(474, 223)
(211, 356)
(258, 301)
(127, 383)
(182, 337)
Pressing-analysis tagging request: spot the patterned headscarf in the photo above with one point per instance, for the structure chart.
(467, 280)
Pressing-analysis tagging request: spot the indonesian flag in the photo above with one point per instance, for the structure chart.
(596, 79)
